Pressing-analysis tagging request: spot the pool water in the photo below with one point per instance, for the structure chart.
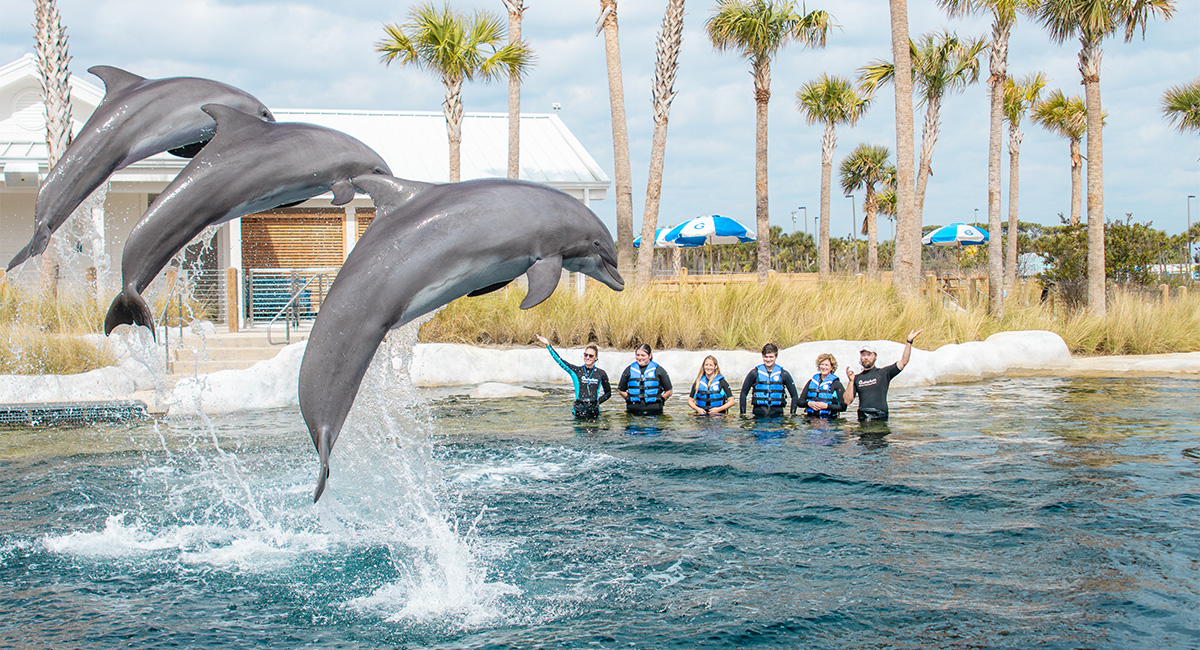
(1017, 513)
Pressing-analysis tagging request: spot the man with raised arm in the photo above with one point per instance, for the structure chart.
(871, 385)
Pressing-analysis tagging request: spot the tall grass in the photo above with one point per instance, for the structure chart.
(744, 316)
(41, 334)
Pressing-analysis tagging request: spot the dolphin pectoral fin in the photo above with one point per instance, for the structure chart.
(188, 150)
(343, 192)
(115, 79)
(128, 308)
(543, 280)
(489, 289)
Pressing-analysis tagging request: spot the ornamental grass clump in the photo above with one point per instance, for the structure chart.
(42, 334)
(745, 315)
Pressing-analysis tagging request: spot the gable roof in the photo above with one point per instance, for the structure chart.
(413, 143)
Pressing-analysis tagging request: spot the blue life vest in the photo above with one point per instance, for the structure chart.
(710, 395)
(820, 391)
(768, 390)
(643, 384)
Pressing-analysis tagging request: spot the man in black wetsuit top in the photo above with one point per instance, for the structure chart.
(871, 385)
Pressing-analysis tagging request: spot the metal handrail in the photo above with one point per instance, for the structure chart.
(290, 303)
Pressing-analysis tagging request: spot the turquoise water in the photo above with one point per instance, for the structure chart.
(1049, 513)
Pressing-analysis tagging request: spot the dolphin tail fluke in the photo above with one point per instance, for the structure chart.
(128, 308)
(36, 246)
(323, 445)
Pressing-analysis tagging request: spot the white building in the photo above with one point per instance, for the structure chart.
(262, 248)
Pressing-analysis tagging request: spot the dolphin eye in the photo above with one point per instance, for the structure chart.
(596, 244)
(378, 170)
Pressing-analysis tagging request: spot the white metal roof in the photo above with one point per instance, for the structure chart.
(414, 144)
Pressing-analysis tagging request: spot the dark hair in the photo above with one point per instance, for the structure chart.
(646, 347)
(770, 349)
(593, 349)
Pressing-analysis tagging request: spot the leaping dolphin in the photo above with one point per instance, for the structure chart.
(138, 118)
(429, 245)
(247, 167)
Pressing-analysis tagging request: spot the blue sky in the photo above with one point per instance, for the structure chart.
(311, 54)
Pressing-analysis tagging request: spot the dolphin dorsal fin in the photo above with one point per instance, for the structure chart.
(115, 79)
(388, 193)
(230, 119)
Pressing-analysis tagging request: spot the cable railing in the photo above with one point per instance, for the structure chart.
(269, 291)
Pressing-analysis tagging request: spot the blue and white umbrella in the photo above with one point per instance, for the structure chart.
(659, 240)
(956, 234)
(711, 229)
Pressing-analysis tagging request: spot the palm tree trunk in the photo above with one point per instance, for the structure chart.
(828, 142)
(762, 96)
(1076, 182)
(1089, 66)
(453, 110)
(624, 177)
(670, 40)
(998, 68)
(907, 266)
(929, 136)
(52, 63)
(872, 234)
(1014, 155)
(515, 9)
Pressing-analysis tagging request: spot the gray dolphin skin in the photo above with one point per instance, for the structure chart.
(248, 166)
(429, 245)
(138, 118)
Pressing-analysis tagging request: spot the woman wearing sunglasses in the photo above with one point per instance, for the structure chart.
(591, 383)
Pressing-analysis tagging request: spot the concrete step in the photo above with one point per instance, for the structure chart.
(240, 353)
(190, 368)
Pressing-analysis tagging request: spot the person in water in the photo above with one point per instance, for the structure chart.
(871, 385)
(824, 393)
(769, 383)
(644, 384)
(710, 394)
(591, 383)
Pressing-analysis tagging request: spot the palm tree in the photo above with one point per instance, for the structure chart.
(866, 167)
(670, 41)
(1018, 97)
(616, 99)
(1066, 117)
(1181, 106)
(1092, 21)
(516, 8)
(1004, 16)
(831, 101)
(52, 64)
(941, 63)
(459, 48)
(758, 28)
(906, 266)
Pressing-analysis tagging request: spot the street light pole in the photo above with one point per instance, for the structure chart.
(1188, 261)
(805, 218)
(853, 237)
(976, 215)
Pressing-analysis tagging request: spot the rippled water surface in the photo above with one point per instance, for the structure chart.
(1048, 513)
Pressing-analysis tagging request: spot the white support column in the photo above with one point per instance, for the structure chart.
(235, 262)
(351, 231)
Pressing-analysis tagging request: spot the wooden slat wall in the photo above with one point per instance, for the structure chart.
(293, 240)
(364, 219)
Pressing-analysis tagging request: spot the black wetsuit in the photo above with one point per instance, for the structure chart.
(591, 387)
(646, 396)
(769, 403)
(871, 387)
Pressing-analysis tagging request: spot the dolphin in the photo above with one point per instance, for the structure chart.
(429, 245)
(138, 118)
(248, 166)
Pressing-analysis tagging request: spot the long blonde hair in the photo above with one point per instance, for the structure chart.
(701, 374)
